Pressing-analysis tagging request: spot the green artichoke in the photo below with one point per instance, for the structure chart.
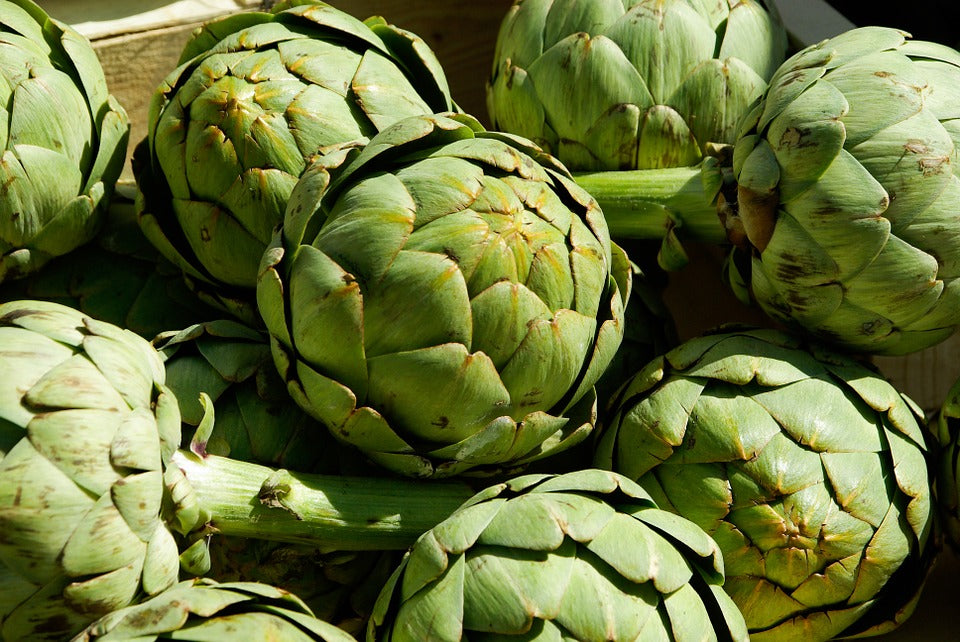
(582, 556)
(446, 300)
(64, 139)
(807, 468)
(848, 180)
(630, 84)
(204, 610)
(118, 278)
(231, 129)
(86, 426)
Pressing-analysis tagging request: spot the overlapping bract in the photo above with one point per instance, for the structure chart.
(207, 610)
(631, 84)
(581, 556)
(806, 467)
(848, 189)
(86, 426)
(447, 302)
(232, 128)
(64, 139)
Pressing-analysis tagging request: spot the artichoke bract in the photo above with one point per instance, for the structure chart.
(631, 84)
(64, 139)
(203, 609)
(231, 129)
(445, 300)
(86, 426)
(581, 556)
(807, 468)
(848, 192)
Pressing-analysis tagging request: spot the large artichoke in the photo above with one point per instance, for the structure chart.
(255, 96)
(581, 556)
(446, 300)
(203, 610)
(848, 185)
(86, 425)
(64, 139)
(806, 467)
(627, 84)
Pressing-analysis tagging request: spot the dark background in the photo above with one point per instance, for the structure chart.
(937, 20)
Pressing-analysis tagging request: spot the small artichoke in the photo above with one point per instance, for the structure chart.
(64, 139)
(847, 184)
(581, 556)
(231, 129)
(87, 426)
(631, 84)
(807, 468)
(446, 300)
(203, 610)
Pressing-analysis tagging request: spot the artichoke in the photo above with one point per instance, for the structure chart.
(86, 428)
(446, 300)
(203, 610)
(631, 84)
(848, 180)
(582, 556)
(64, 139)
(231, 129)
(118, 278)
(807, 468)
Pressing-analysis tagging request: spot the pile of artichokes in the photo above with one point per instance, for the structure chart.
(345, 361)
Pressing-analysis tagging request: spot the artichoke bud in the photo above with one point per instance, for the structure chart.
(64, 140)
(255, 97)
(89, 429)
(445, 255)
(582, 556)
(638, 85)
(844, 169)
(807, 468)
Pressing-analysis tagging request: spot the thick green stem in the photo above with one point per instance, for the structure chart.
(327, 511)
(649, 203)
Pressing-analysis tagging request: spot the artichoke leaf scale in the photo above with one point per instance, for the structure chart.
(889, 74)
(465, 388)
(506, 591)
(570, 63)
(384, 92)
(394, 321)
(663, 44)
(913, 161)
(318, 278)
(502, 315)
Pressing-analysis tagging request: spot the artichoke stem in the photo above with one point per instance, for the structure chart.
(327, 511)
(649, 203)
